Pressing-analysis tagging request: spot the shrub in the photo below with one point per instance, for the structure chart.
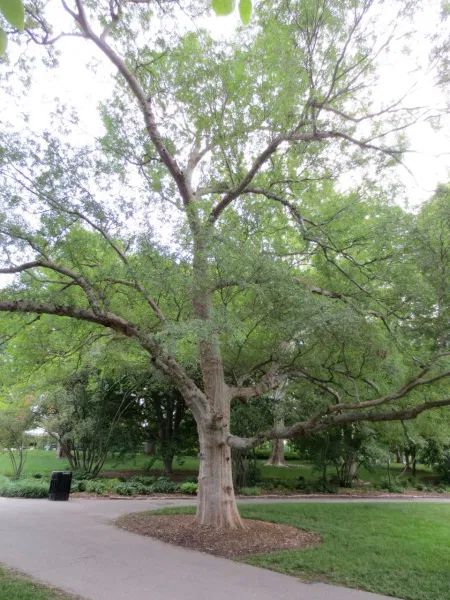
(95, 487)
(146, 480)
(192, 479)
(163, 486)
(395, 487)
(188, 487)
(24, 488)
(79, 486)
(132, 488)
(263, 452)
(281, 484)
(250, 491)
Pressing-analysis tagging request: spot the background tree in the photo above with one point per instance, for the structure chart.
(15, 420)
(89, 417)
(167, 424)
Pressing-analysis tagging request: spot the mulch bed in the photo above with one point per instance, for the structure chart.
(181, 530)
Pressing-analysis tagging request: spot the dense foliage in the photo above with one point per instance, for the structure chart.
(208, 230)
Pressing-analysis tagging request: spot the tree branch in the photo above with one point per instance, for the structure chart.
(145, 102)
(305, 428)
(78, 279)
(193, 396)
(273, 146)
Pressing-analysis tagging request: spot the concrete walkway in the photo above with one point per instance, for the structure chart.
(74, 545)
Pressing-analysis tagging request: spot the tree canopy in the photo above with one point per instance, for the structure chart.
(272, 272)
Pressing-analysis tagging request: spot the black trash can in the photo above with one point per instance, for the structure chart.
(60, 485)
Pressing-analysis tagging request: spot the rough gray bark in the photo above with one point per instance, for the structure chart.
(276, 458)
(216, 500)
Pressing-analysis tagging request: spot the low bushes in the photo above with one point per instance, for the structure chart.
(164, 486)
(136, 486)
(23, 488)
(131, 488)
(188, 487)
(250, 491)
(301, 485)
(394, 486)
(144, 479)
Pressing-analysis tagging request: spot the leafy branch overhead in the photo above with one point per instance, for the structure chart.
(14, 13)
(226, 7)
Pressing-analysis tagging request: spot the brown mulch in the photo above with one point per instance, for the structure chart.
(181, 530)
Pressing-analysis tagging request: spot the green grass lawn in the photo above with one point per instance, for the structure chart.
(400, 550)
(14, 586)
(44, 462)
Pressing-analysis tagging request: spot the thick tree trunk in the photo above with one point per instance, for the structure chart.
(277, 455)
(149, 448)
(348, 472)
(407, 462)
(216, 500)
(168, 464)
(216, 506)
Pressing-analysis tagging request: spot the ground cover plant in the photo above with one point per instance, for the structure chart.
(24, 488)
(402, 550)
(15, 586)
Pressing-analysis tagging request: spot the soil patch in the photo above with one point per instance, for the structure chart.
(258, 536)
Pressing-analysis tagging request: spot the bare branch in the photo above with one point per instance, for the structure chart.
(145, 102)
(413, 383)
(305, 428)
(294, 136)
(78, 279)
(270, 381)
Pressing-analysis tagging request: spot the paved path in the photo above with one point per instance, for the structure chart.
(74, 545)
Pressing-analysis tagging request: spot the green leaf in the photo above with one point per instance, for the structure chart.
(14, 12)
(245, 11)
(222, 7)
(3, 42)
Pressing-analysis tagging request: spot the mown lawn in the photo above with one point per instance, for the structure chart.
(400, 550)
(44, 462)
(14, 586)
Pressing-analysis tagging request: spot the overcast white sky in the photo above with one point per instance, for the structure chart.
(83, 88)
